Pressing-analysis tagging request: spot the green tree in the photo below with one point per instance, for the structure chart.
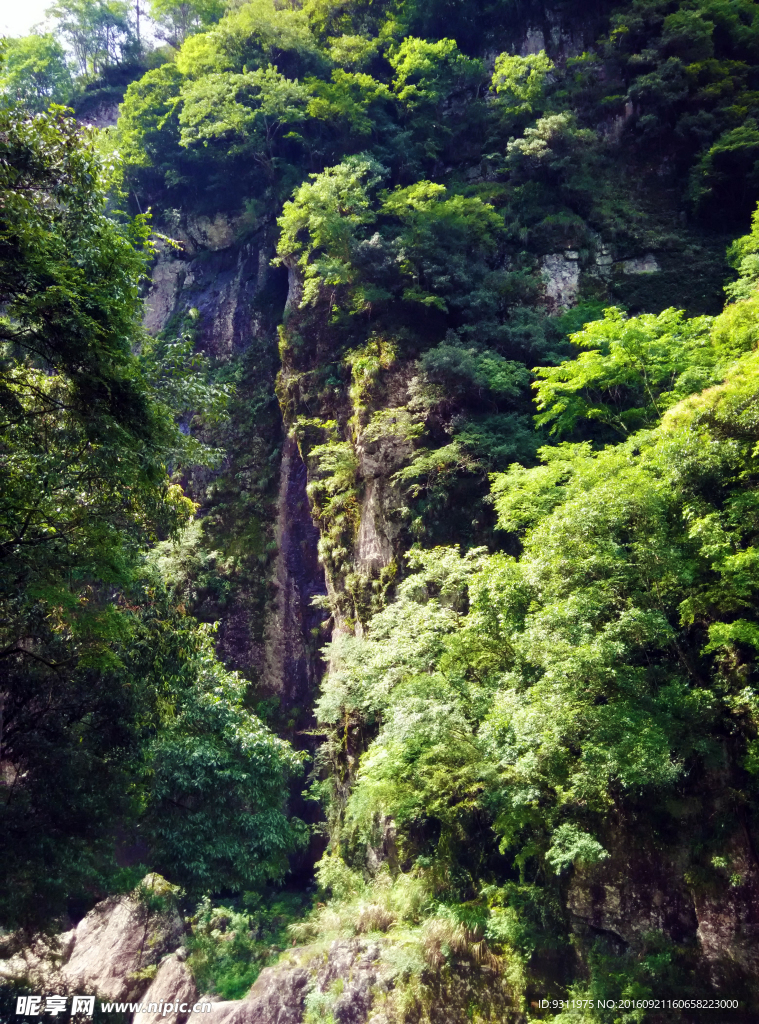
(34, 72)
(319, 226)
(99, 32)
(743, 255)
(443, 237)
(84, 488)
(262, 32)
(539, 704)
(427, 73)
(520, 82)
(249, 111)
(428, 76)
(178, 20)
(633, 369)
(115, 712)
(147, 135)
(212, 778)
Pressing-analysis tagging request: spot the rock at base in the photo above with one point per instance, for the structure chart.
(172, 984)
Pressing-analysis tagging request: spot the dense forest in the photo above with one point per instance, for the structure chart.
(379, 493)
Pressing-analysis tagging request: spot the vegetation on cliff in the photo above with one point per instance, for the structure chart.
(116, 713)
(529, 426)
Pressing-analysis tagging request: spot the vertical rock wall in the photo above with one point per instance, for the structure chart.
(225, 285)
(294, 627)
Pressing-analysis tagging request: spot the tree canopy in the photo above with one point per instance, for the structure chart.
(479, 413)
(116, 714)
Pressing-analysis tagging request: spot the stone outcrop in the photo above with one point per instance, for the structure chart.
(112, 952)
(220, 283)
(119, 952)
(728, 919)
(161, 300)
(102, 115)
(381, 453)
(116, 943)
(174, 985)
(641, 265)
(343, 979)
(637, 892)
(129, 949)
(214, 233)
(561, 279)
(626, 897)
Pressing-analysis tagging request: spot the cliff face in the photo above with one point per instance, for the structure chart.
(644, 894)
(210, 272)
(639, 893)
(295, 625)
(400, 383)
(330, 566)
(254, 509)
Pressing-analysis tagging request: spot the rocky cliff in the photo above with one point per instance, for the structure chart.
(453, 221)
(342, 509)
(254, 508)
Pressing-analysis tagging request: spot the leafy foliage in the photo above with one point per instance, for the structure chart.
(213, 808)
(516, 712)
(229, 945)
(520, 82)
(98, 31)
(34, 72)
(116, 714)
(178, 19)
(500, 705)
(633, 371)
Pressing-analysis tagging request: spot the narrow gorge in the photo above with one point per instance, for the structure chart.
(398, 654)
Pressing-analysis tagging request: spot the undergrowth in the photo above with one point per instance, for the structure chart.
(229, 945)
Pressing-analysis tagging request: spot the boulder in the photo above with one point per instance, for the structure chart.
(173, 984)
(36, 966)
(341, 980)
(112, 953)
(278, 997)
(120, 939)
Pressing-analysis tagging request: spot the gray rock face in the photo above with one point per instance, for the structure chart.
(278, 997)
(173, 984)
(104, 115)
(214, 234)
(628, 898)
(37, 966)
(634, 893)
(162, 297)
(351, 975)
(561, 277)
(342, 980)
(219, 281)
(728, 921)
(114, 943)
(381, 451)
(641, 265)
(293, 668)
(110, 951)
(374, 545)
